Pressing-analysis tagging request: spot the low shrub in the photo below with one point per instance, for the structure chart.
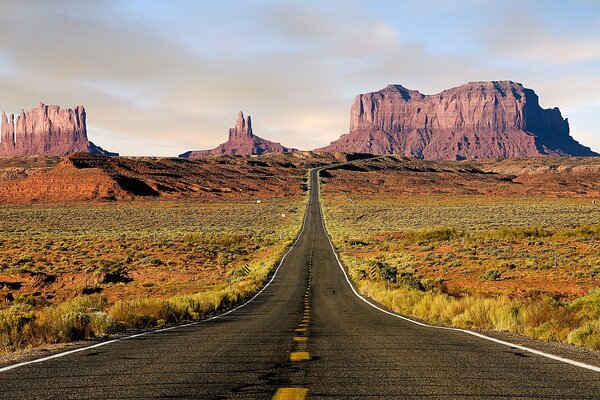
(587, 335)
(14, 326)
(491, 275)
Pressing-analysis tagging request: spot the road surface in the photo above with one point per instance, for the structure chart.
(307, 335)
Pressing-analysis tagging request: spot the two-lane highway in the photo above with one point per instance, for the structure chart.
(307, 335)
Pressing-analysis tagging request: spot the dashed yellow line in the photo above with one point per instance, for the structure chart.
(290, 394)
(300, 329)
(300, 338)
(299, 356)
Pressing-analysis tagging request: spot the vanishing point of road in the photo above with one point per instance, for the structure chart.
(306, 335)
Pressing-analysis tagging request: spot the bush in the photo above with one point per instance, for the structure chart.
(407, 279)
(491, 275)
(588, 335)
(388, 273)
(140, 314)
(13, 328)
(103, 324)
(74, 326)
(150, 261)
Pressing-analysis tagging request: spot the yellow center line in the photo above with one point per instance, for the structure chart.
(300, 339)
(299, 356)
(290, 394)
(300, 330)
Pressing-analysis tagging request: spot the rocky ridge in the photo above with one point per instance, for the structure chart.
(85, 177)
(242, 141)
(500, 119)
(47, 130)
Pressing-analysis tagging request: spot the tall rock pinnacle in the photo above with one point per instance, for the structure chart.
(243, 128)
(7, 139)
(242, 141)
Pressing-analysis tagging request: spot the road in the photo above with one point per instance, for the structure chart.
(306, 334)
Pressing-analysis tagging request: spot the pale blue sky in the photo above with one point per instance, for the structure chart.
(162, 77)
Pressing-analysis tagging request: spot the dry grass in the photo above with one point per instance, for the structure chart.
(524, 265)
(80, 272)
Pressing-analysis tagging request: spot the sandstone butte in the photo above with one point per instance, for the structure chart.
(47, 131)
(242, 141)
(500, 119)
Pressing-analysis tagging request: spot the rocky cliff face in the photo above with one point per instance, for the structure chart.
(46, 130)
(476, 120)
(242, 141)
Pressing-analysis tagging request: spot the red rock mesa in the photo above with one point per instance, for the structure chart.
(476, 120)
(46, 130)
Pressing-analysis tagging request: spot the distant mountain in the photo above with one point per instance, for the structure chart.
(241, 142)
(47, 131)
(476, 120)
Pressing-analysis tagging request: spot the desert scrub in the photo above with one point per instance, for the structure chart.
(228, 262)
(538, 319)
(26, 323)
(65, 239)
(476, 262)
(88, 317)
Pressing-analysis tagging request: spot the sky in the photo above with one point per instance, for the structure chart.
(163, 77)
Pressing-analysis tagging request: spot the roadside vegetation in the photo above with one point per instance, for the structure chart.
(529, 266)
(70, 272)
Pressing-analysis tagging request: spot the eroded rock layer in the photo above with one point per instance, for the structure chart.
(46, 130)
(476, 120)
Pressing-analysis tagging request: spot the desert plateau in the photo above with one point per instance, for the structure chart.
(288, 200)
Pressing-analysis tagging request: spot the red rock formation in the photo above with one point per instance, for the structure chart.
(241, 142)
(476, 120)
(47, 130)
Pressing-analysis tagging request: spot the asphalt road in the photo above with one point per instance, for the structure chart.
(292, 342)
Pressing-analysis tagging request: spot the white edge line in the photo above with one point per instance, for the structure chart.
(66, 353)
(479, 335)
